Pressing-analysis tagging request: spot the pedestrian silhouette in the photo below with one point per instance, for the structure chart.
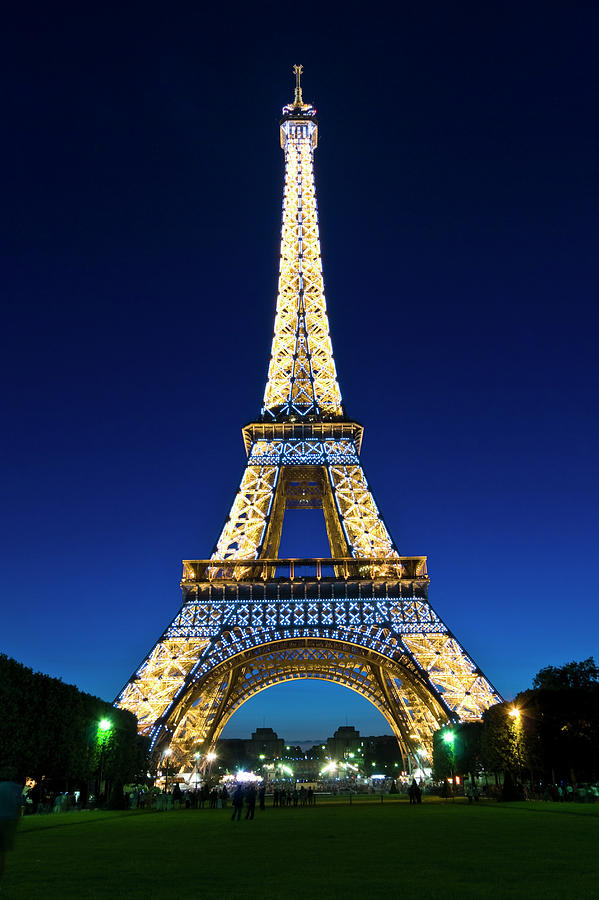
(237, 803)
(250, 799)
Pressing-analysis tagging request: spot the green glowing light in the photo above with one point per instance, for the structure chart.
(449, 737)
(104, 724)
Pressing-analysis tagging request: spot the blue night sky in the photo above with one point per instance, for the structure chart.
(457, 179)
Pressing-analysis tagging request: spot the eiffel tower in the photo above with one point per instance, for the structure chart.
(250, 620)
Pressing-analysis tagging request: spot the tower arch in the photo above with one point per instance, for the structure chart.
(390, 680)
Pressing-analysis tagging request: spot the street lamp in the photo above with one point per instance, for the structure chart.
(196, 779)
(449, 739)
(210, 757)
(514, 712)
(166, 755)
(104, 728)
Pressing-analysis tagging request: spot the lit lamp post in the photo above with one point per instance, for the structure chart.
(166, 756)
(449, 738)
(518, 762)
(104, 729)
(210, 757)
(413, 737)
(196, 756)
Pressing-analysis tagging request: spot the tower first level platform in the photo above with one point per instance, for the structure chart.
(239, 632)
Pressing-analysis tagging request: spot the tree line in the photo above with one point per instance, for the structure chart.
(71, 740)
(53, 732)
(547, 735)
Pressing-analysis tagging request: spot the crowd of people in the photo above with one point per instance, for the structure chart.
(293, 797)
(43, 800)
(415, 793)
(218, 797)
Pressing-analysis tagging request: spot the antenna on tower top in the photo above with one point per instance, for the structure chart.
(298, 87)
(298, 109)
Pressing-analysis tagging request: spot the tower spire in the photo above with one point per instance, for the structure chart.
(298, 87)
(302, 380)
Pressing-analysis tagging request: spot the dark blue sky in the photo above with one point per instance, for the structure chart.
(457, 179)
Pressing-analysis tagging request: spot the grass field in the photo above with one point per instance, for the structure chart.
(436, 850)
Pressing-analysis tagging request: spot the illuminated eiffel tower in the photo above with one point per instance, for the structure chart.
(250, 620)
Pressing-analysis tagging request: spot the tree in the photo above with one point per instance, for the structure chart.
(581, 675)
(504, 741)
(551, 732)
(565, 705)
(50, 730)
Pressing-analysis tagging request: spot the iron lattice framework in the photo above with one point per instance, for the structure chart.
(249, 620)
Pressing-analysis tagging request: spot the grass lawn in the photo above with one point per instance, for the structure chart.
(436, 850)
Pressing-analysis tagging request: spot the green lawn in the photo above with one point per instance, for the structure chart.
(436, 850)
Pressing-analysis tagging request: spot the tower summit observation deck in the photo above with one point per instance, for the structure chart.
(250, 620)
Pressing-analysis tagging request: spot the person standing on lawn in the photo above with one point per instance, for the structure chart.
(250, 799)
(237, 803)
(11, 800)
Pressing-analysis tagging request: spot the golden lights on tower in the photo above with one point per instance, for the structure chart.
(245, 624)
